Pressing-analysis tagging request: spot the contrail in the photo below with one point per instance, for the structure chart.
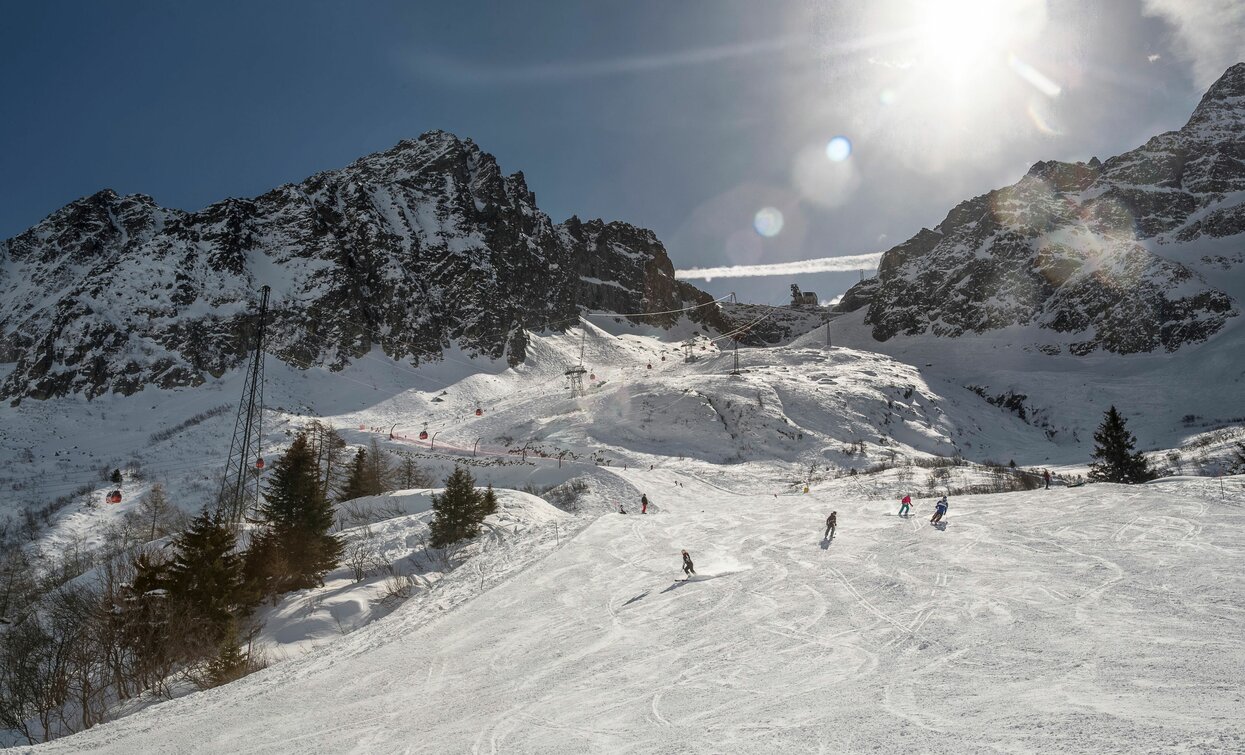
(822, 265)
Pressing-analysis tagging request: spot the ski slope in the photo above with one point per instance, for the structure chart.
(1095, 619)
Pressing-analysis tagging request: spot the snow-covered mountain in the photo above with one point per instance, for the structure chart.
(1138, 253)
(413, 249)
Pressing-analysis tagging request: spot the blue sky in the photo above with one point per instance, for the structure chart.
(688, 118)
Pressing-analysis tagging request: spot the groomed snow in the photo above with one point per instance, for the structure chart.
(1094, 619)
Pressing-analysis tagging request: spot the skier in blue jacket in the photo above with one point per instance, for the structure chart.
(940, 509)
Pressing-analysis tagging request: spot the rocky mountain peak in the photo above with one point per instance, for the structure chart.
(1081, 257)
(1224, 101)
(409, 250)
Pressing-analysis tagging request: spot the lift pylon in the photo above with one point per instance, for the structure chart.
(239, 488)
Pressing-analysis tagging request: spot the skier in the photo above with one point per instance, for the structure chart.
(643, 503)
(831, 522)
(940, 509)
(1046, 476)
(907, 504)
(688, 569)
(621, 510)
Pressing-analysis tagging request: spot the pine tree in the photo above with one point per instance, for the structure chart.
(456, 511)
(229, 663)
(357, 482)
(299, 517)
(1114, 457)
(293, 490)
(487, 503)
(205, 576)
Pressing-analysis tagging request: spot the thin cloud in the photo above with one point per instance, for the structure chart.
(1210, 33)
(465, 72)
(822, 265)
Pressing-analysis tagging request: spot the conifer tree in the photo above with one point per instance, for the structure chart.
(1114, 457)
(229, 663)
(487, 503)
(357, 480)
(299, 517)
(456, 510)
(205, 575)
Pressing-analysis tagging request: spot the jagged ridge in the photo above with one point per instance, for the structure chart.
(412, 249)
(1092, 255)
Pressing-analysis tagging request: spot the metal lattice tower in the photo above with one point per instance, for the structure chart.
(576, 374)
(239, 489)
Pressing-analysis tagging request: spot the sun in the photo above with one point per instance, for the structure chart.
(958, 37)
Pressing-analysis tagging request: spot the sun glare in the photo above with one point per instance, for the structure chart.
(957, 34)
(955, 67)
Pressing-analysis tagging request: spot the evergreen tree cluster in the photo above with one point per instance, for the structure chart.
(460, 509)
(372, 472)
(155, 614)
(1115, 459)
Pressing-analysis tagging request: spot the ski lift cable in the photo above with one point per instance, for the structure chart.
(78, 479)
(740, 330)
(372, 331)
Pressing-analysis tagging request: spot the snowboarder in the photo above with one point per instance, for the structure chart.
(940, 509)
(831, 522)
(643, 503)
(1046, 476)
(688, 569)
(906, 505)
(621, 510)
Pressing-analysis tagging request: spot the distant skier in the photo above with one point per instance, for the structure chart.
(1046, 476)
(621, 510)
(940, 509)
(644, 503)
(688, 569)
(906, 505)
(831, 523)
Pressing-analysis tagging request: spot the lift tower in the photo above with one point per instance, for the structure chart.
(575, 375)
(239, 489)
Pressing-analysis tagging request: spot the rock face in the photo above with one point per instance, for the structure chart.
(1108, 256)
(411, 249)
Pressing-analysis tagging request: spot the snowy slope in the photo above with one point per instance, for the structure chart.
(1098, 619)
(791, 407)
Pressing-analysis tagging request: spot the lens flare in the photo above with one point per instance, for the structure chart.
(887, 97)
(768, 222)
(839, 149)
(1036, 78)
(1043, 118)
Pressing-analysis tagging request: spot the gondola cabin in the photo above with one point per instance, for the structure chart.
(114, 496)
(479, 412)
(423, 435)
(259, 463)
